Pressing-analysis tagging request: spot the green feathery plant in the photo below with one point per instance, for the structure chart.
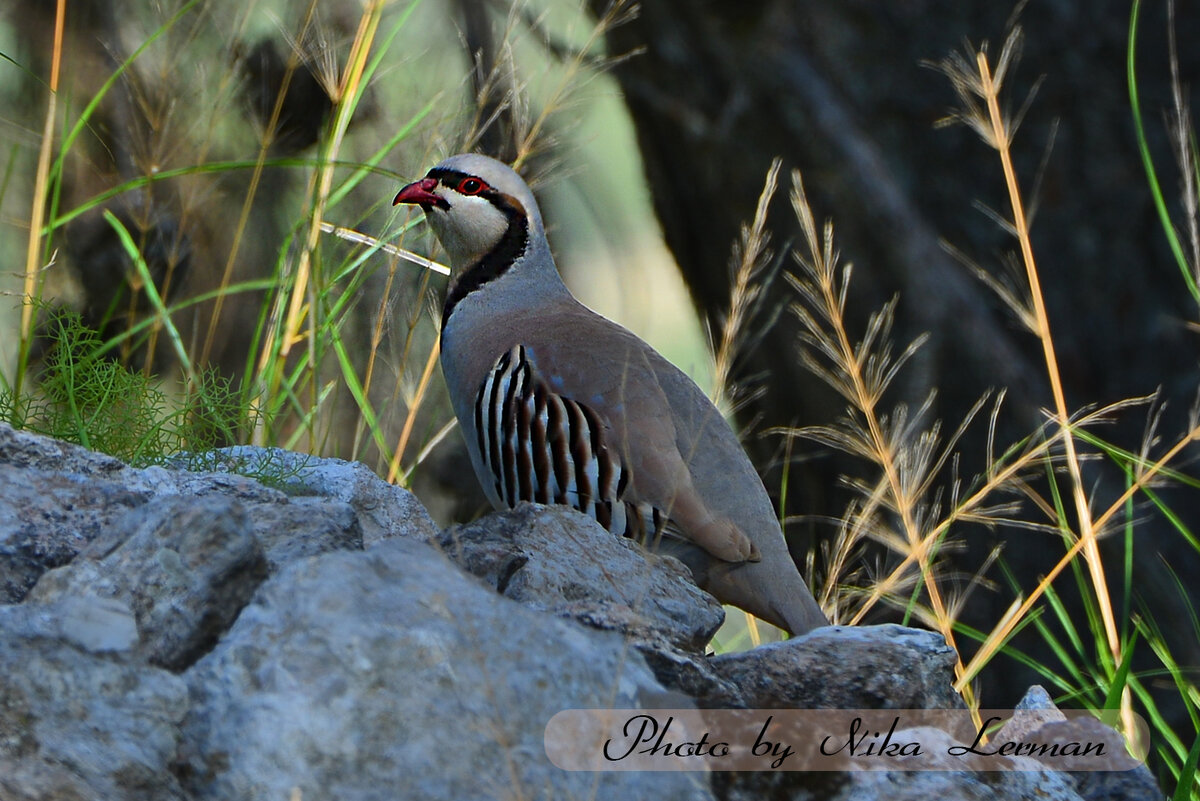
(84, 395)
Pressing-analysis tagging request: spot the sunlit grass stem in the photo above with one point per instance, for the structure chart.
(300, 303)
(1087, 529)
(33, 260)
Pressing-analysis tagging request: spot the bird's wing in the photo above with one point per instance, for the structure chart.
(599, 365)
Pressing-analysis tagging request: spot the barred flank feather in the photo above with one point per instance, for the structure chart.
(542, 447)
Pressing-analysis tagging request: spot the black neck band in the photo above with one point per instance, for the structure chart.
(510, 248)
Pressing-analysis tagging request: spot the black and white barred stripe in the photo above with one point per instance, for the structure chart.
(542, 447)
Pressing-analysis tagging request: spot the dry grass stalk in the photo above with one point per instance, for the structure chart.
(751, 256)
(33, 261)
(984, 84)
(990, 87)
(861, 372)
(394, 472)
(979, 87)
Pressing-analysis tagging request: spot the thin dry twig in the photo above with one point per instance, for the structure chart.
(350, 235)
(751, 255)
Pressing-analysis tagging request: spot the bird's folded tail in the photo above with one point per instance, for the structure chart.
(770, 589)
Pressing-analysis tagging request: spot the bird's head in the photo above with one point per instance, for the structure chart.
(472, 202)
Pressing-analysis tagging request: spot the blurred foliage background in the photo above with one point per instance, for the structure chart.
(193, 151)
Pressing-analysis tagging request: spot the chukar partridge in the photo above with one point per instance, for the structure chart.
(562, 406)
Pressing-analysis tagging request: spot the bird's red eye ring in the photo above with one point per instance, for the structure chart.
(471, 186)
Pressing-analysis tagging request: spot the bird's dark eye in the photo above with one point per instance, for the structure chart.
(470, 186)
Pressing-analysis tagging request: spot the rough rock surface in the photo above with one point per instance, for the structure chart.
(77, 719)
(1131, 785)
(956, 784)
(323, 639)
(864, 785)
(55, 498)
(380, 508)
(185, 565)
(838, 667)
(560, 561)
(358, 674)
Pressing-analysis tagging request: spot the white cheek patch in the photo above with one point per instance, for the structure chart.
(469, 229)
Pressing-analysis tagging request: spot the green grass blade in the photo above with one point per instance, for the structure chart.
(1173, 518)
(1129, 459)
(356, 391)
(197, 169)
(1048, 674)
(1189, 782)
(160, 309)
(1160, 203)
(1116, 688)
(369, 166)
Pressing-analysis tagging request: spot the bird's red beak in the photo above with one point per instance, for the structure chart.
(421, 193)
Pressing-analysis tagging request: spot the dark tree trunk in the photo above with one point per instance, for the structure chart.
(838, 90)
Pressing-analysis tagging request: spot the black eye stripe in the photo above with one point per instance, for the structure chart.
(449, 178)
(452, 178)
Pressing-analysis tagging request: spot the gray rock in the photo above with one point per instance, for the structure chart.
(383, 509)
(1035, 700)
(49, 512)
(785, 785)
(96, 624)
(29, 451)
(693, 675)
(868, 667)
(1137, 784)
(1031, 783)
(82, 723)
(158, 482)
(184, 565)
(391, 672)
(55, 498)
(555, 559)
(390, 675)
(959, 785)
(305, 526)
